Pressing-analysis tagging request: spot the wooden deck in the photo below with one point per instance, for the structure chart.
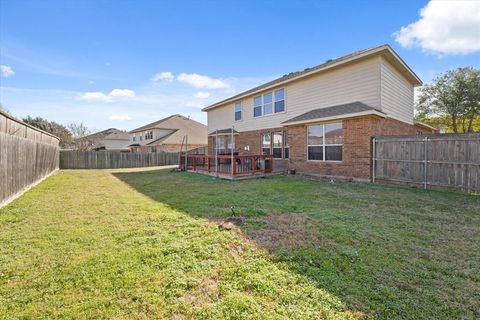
(242, 167)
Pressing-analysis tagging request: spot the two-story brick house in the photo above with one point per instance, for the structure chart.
(321, 120)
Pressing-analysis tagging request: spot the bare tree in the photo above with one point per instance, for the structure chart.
(82, 139)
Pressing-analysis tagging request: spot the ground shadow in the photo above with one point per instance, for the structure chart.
(369, 245)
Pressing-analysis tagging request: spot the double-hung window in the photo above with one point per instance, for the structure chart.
(280, 100)
(266, 143)
(325, 142)
(269, 103)
(224, 144)
(149, 135)
(277, 144)
(257, 106)
(238, 111)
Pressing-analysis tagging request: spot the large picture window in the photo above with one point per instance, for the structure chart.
(325, 142)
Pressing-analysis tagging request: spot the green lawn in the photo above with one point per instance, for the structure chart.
(146, 244)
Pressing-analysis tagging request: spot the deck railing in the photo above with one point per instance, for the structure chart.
(243, 165)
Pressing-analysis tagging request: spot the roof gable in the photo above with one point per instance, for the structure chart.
(386, 50)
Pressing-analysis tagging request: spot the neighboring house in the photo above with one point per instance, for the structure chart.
(321, 120)
(423, 128)
(110, 139)
(168, 135)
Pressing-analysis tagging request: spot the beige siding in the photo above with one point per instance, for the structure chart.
(396, 94)
(356, 82)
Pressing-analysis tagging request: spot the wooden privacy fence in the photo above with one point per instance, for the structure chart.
(27, 155)
(445, 160)
(71, 159)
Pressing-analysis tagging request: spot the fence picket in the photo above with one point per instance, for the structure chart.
(446, 160)
(71, 159)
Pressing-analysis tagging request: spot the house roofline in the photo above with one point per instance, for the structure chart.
(327, 66)
(338, 117)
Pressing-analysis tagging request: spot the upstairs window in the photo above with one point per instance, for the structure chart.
(280, 100)
(149, 135)
(238, 111)
(267, 103)
(257, 106)
(325, 142)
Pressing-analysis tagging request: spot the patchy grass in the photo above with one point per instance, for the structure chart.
(144, 244)
(84, 244)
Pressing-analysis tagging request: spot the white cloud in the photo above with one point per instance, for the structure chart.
(200, 81)
(6, 71)
(95, 96)
(202, 95)
(102, 97)
(122, 93)
(166, 75)
(444, 27)
(119, 118)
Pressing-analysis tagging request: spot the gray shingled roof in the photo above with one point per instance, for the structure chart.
(156, 123)
(341, 109)
(296, 74)
(223, 131)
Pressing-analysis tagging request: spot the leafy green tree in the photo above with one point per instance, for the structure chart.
(453, 97)
(52, 127)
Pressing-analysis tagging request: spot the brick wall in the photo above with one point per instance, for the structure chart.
(357, 146)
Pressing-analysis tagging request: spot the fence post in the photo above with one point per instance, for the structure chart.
(425, 152)
(374, 157)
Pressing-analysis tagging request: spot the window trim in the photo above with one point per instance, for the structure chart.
(260, 106)
(273, 142)
(323, 124)
(262, 103)
(271, 133)
(235, 111)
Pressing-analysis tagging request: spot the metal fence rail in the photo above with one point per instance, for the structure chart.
(447, 160)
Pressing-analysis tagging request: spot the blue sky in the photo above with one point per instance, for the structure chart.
(126, 63)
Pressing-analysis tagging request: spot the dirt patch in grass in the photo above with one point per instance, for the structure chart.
(205, 292)
(285, 231)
